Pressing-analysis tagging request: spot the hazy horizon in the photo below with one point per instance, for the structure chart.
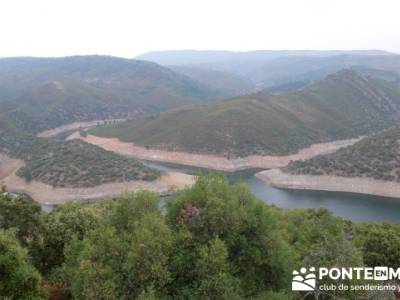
(122, 28)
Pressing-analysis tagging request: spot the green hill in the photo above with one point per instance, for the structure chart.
(78, 164)
(41, 93)
(375, 157)
(340, 106)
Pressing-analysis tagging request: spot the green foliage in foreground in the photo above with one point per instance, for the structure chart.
(211, 241)
(376, 156)
(18, 278)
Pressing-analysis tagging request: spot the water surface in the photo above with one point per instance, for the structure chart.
(356, 207)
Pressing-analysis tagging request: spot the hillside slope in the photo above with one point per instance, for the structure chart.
(224, 84)
(41, 93)
(374, 157)
(285, 70)
(340, 106)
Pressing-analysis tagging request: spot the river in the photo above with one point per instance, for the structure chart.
(355, 207)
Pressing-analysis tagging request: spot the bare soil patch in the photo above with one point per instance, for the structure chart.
(73, 126)
(212, 161)
(46, 194)
(359, 185)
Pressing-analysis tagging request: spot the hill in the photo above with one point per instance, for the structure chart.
(282, 70)
(376, 156)
(286, 70)
(78, 164)
(340, 106)
(41, 93)
(223, 84)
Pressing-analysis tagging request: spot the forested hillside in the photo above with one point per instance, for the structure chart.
(212, 241)
(376, 156)
(342, 105)
(43, 93)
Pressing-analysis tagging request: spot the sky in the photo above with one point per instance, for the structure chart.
(128, 28)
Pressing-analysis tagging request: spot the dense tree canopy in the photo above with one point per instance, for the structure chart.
(211, 241)
(18, 278)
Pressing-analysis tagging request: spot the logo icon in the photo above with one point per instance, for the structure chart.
(304, 280)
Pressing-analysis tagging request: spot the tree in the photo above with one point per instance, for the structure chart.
(62, 225)
(25, 217)
(380, 244)
(126, 257)
(320, 239)
(19, 279)
(213, 275)
(212, 208)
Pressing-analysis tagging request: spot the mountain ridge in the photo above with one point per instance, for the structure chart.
(343, 105)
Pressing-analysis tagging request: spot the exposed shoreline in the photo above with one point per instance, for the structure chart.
(211, 161)
(73, 126)
(358, 185)
(46, 194)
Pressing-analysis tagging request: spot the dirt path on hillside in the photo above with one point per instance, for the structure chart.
(211, 161)
(47, 194)
(277, 178)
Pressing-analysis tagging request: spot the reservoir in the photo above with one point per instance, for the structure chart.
(355, 207)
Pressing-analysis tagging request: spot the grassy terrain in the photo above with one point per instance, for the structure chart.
(340, 106)
(78, 164)
(375, 157)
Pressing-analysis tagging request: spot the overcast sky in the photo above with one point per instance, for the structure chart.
(128, 28)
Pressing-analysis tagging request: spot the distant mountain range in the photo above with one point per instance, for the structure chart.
(287, 69)
(190, 57)
(343, 105)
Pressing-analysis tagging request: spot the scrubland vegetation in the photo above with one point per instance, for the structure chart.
(211, 241)
(78, 164)
(376, 156)
(340, 106)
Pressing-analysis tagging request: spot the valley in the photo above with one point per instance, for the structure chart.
(54, 142)
(200, 150)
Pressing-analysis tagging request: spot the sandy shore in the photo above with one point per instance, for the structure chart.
(211, 161)
(73, 126)
(359, 185)
(47, 194)
(8, 165)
